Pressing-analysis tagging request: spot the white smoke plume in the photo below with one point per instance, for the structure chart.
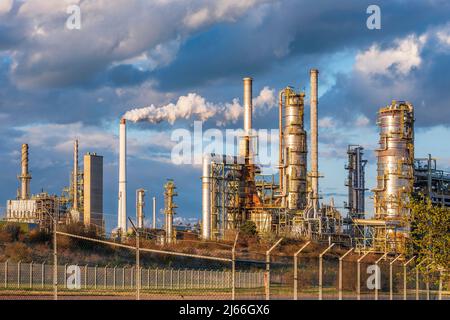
(194, 106)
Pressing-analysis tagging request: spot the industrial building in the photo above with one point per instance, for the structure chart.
(93, 191)
(81, 202)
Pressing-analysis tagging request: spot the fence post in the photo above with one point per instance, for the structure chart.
(377, 275)
(65, 276)
(320, 269)
(156, 278)
(340, 271)
(391, 281)
(42, 275)
(114, 278)
(6, 273)
(296, 269)
(417, 277)
(233, 268)
(31, 275)
(404, 277)
(95, 277)
(427, 283)
(267, 284)
(86, 276)
(441, 274)
(18, 273)
(123, 278)
(105, 280)
(55, 260)
(148, 278)
(358, 275)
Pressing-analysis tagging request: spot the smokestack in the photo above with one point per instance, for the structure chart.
(248, 109)
(122, 208)
(154, 213)
(314, 140)
(75, 175)
(140, 194)
(25, 177)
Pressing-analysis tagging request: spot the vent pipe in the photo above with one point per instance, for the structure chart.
(314, 140)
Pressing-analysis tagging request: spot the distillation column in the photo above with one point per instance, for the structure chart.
(356, 182)
(294, 150)
(25, 176)
(140, 194)
(395, 173)
(314, 73)
(169, 210)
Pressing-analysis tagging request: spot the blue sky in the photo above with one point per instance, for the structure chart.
(58, 84)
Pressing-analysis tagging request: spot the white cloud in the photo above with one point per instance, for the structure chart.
(51, 55)
(6, 6)
(362, 121)
(327, 122)
(400, 58)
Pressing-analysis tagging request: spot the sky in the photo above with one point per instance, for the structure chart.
(58, 83)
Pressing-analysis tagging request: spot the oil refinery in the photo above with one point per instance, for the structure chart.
(234, 188)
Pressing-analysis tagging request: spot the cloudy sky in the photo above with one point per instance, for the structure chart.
(59, 84)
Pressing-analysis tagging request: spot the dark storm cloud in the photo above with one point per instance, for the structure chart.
(282, 32)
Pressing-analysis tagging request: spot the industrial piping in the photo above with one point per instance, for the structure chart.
(314, 73)
(122, 207)
(208, 160)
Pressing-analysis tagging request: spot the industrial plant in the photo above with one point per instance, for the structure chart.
(236, 190)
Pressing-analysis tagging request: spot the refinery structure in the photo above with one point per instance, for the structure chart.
(235, 189)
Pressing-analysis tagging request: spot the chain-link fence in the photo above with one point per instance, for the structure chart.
(93, 268)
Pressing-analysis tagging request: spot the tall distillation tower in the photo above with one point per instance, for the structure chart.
(169, 210)
(395, 175)
(293, 149)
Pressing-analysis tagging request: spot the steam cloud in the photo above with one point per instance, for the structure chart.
(196, 107)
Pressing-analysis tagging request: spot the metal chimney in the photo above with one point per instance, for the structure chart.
(248, 109)
(122, 208)
(314, 73)
(25, 177)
